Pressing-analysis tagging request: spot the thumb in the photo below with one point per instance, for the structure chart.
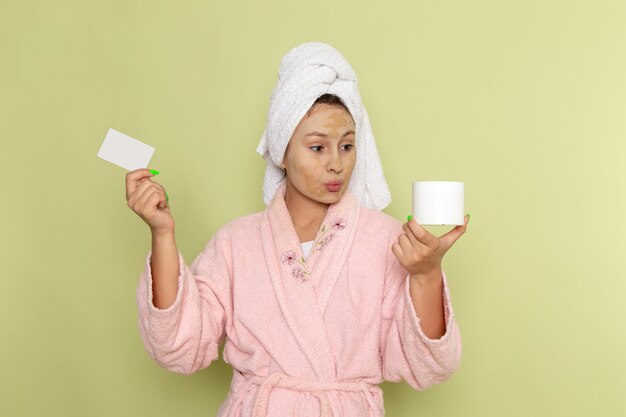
(453, 235)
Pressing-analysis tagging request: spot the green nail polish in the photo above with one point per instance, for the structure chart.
(167, 197)
(409, 217)
(154, 172)
(468, 217)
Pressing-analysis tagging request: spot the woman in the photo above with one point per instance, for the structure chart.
(321, 296)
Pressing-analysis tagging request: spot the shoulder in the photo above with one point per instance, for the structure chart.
(373, 218)
(241, 226)
(231, 236)
(377, 224)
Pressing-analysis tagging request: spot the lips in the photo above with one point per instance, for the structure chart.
(333, 186)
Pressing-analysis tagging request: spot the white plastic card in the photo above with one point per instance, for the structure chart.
(125, 151)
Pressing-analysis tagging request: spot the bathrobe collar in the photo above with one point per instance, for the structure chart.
(303, 287)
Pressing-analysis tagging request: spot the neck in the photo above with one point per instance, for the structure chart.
(306, 214)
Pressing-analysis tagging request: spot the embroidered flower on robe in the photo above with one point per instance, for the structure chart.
(288, 257)
(338, 223)
(297, 272)
(325, 241)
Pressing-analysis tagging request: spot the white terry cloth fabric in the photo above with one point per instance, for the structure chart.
(306, 72)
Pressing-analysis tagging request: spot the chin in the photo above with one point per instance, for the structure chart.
(331, 198)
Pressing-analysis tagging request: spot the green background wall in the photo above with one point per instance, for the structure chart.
(523, 101)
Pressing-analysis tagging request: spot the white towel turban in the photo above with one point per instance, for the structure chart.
(306, 72)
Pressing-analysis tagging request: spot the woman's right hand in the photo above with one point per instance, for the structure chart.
(147, 198)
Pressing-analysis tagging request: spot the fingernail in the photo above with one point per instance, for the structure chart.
(167, 197)
(409, 217)
(154, 172)
(468, 217)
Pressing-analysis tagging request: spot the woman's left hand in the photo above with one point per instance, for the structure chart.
(420, 252)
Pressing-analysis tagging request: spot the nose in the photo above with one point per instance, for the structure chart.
(335, 164)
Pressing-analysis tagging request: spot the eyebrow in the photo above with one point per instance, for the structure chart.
(325, 135)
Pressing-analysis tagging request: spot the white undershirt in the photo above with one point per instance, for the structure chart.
(306, 248)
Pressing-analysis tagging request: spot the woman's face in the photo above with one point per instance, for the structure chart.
(321, 154)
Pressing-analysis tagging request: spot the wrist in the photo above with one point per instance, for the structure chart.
(434, 276)
(162, 234)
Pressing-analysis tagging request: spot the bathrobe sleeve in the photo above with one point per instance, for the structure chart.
(184, 337)
(407, 353)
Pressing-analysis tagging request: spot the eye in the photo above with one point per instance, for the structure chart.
(348, 146)
(316, 148)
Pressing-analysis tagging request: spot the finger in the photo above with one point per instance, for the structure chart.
(405, 244)
(453, 235)
(410, 235)
(133, 179)
(397, 250)
(143, 191)
(150, 200)
(165, 201)
(162, 200)
(145, 185)
(165, 198)
(423, 235)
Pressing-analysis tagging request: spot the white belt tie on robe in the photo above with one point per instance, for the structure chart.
(320, 389)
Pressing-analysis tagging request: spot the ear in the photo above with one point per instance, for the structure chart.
(282, 163)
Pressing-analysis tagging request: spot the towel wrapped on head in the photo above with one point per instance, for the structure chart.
(307, 72)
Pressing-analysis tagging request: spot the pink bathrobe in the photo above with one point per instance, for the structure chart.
(307, 337)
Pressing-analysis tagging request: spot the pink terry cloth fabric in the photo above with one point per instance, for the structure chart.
(309, 337)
